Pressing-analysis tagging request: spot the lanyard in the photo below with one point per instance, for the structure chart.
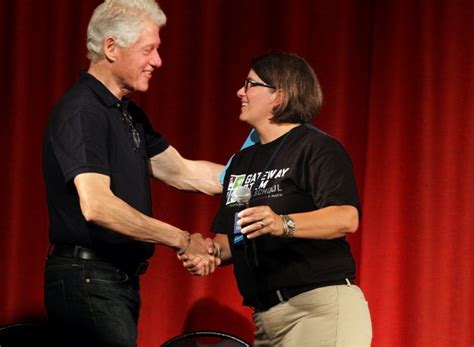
(275, 152)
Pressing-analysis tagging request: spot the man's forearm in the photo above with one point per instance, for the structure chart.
(118, 216)
(204, 176)
(193, 175)
(100, 206)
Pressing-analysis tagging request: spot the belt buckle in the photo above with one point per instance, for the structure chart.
(141, 268)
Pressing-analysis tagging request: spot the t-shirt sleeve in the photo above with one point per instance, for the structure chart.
(330, 177)
(80, 145)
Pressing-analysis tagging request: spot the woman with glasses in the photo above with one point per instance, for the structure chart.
(291, 259)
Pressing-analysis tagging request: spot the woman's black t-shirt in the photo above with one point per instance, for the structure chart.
(311, 170)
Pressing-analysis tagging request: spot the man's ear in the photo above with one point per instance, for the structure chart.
(110, 49)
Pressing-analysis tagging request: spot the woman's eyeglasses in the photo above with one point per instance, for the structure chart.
(249, 83)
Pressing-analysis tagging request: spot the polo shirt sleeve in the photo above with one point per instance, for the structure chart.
(330, 176)
(155, 142)
(80, 144)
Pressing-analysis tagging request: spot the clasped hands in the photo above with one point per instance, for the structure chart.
(203, 255)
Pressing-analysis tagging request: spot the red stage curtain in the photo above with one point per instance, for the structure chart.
(397, 77)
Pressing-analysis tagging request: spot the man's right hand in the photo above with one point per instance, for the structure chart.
(200, 258)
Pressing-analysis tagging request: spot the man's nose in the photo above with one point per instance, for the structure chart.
(156, 59)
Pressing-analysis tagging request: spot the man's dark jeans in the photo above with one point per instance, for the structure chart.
(91, 303)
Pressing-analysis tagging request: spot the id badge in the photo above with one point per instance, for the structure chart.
(238, 237)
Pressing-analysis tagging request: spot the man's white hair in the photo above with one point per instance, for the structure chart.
(121, 19)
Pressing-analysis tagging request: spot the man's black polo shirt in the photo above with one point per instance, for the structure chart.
(86, 133)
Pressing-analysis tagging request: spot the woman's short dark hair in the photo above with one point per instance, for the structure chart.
(302, 97)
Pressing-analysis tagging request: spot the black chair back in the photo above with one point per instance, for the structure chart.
(205, 339)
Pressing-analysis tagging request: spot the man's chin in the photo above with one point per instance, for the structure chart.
(143, 87)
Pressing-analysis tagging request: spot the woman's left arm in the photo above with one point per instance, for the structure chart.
(327, 223)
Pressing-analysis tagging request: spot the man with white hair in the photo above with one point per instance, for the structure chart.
(99, 151)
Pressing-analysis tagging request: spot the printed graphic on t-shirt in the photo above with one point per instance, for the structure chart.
(267, 184)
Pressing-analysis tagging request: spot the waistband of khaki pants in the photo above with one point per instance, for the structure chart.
(268, 300)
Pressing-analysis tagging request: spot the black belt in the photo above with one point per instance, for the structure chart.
(79, 252)
(266, 301)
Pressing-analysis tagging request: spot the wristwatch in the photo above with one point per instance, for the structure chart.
(289, 226)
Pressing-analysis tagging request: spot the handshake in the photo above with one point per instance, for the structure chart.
(200, 256)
